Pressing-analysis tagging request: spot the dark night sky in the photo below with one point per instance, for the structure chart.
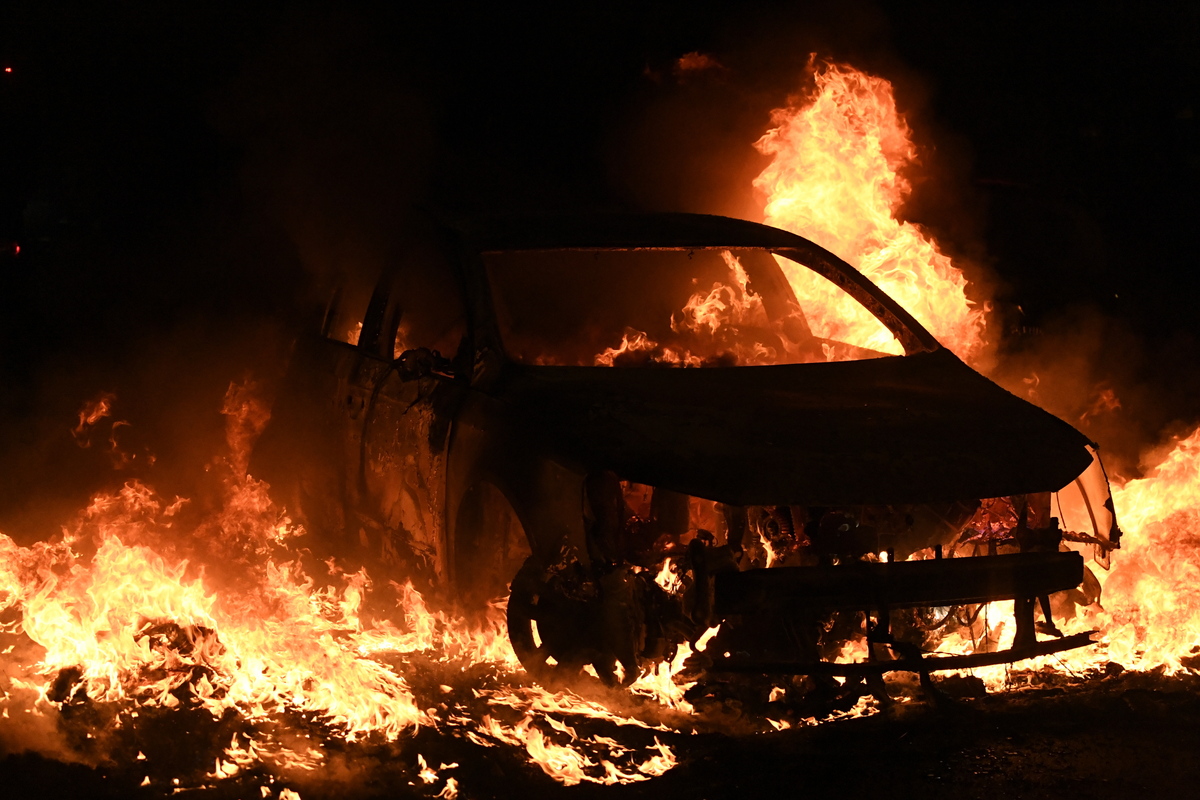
(176, 175)
(129, 132)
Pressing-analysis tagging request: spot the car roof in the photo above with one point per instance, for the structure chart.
(627, 231)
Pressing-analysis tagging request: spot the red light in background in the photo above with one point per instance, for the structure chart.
(8, 69)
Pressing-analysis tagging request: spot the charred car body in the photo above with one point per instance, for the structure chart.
(565, 411)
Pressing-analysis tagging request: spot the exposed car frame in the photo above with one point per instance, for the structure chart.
(472, 471)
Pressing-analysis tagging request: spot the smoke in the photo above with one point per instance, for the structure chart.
(188, 187)
(688, 142)
(684, 139)
(200, 184)
(336, 145)
(206, 196)
(24, 729)
(1124, 389)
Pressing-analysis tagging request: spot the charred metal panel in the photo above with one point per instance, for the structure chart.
(546, 494)
(920, 665)
(403, 464)
(913, 429)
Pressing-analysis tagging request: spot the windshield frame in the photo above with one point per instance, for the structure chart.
(665, 231)
(868, 296)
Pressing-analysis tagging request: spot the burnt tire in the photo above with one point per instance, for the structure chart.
(525, 593)
(560, 620)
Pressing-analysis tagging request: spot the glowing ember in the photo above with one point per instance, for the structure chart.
(668, 578)
(835, 178)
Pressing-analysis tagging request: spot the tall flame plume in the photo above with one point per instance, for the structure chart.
(836, 177)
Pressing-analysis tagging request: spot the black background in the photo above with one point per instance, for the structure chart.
(182, 181)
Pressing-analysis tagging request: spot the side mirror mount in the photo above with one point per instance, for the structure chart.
(422, 362)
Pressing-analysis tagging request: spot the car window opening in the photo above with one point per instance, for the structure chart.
(684, 308)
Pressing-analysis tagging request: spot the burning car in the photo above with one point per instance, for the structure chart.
(643, 427)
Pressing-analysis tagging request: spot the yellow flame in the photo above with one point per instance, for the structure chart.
(835, 178)
(1153, 592)
(120, 610)
(1148, 616)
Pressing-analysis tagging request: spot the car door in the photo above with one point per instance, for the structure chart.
(405, 387)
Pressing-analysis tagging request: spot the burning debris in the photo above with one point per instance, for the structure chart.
(115, 633)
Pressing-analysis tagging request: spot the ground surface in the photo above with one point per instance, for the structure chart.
(1122, 736)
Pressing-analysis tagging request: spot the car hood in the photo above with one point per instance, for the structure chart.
(911, 429)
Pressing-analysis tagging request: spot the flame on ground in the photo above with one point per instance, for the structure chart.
(139, 610)
(101, 623)
(1152, 595)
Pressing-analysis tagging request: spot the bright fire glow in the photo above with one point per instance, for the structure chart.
(730, 320)
(1148, 616)
(140, 608)
(1152, 595)
(835, 177)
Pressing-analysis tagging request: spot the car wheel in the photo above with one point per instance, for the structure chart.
(561, 619)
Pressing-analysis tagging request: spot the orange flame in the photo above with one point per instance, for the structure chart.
(1148, 616)
(1104, 401)
(1153, 592)
(632, 341)
(835, 178)
(127, 626)
(723, 305)
(726, 323)
(121, 610)
(92, 412)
